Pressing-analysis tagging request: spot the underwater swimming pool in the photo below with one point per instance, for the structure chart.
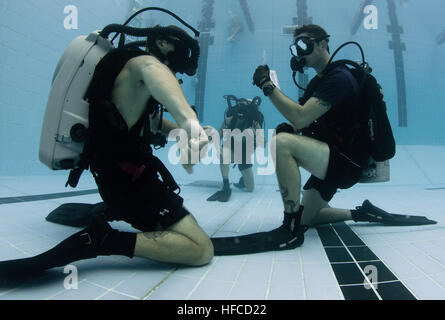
(403, 43)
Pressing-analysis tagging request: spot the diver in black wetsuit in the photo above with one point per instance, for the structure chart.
(325, 147)
(318, 139)
(238, 133)
(125, 95)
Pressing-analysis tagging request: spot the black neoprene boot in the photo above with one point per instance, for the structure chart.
(221, 195)
(290, 234)
(370, 213)
(97, 239)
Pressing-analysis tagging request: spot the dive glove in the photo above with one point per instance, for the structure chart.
(261, 76)
(284, 127)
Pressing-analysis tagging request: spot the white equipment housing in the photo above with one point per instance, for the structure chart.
(378, 173)
(66, 107)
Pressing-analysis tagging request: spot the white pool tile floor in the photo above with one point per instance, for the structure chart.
(401, 262)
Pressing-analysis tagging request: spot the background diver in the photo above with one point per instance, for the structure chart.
(238, 145)
(235, 27)
(127, 88)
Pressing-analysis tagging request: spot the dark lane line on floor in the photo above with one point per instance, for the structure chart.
(355, 266)
(48, 196)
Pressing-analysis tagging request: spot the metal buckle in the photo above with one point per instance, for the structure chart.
(89, 238)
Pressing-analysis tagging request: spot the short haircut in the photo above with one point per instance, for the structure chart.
(313, 30)
(151, 40)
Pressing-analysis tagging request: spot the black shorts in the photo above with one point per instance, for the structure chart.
(342, 173)
(145, 203)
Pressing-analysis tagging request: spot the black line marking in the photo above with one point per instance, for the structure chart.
(46, 196)
(349, 257)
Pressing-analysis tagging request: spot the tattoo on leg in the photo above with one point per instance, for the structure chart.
(292, 205)
(155, 235)
(284, 192)
(288, 203)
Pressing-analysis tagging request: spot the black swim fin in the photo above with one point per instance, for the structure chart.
(406, 220)
(76, 214)
(368, 212)
(221, 195)
(251, 243)
(88, 243)
(275, 240)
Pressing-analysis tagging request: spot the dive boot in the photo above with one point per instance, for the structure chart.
(289, 235)
(240, 184)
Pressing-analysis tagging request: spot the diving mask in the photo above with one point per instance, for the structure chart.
(304, 45)
(184, 59)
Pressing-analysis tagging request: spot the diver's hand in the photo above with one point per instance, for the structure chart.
(261, 76)
(191, 154)
(193, 142)
(211, 133)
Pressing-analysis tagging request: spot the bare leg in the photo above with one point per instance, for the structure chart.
(293, 151)
(317, 211)
(185, 243)
(224, 170)
(224, 167)
(332, 215)
(248, 179)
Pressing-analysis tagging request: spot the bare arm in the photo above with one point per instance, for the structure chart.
(300, 116)
(164, 87)
(168, 126)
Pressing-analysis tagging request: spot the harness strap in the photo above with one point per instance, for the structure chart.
(136, 171)
(132, 170)
(74, 176)
(167, 178)
(144, 122)
(84, 163)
